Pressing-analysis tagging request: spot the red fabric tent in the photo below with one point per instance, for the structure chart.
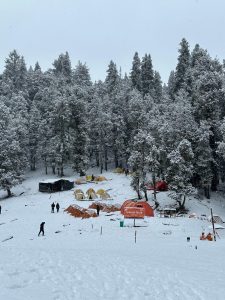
(160, 186)
(141, 204)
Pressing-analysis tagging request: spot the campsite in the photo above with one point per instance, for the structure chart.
(96, 258)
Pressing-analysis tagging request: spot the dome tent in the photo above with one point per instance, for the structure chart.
(148, 210)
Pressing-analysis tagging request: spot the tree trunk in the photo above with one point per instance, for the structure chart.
(9, 193)
(182, 203)
(61, 171)
(146, 194)
(207, 191)
(154, 185)
(33, 164)
(106, 158)
(116, 159)
(97, 158)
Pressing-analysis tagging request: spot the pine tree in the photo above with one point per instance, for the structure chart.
(81, 75)
(140, 161)
(112, 79)
(147, 75)
(135, 74)
(13, 160)
(182, 65)
(15, 72)
(180, 172)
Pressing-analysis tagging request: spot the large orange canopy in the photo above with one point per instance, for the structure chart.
(141, 204)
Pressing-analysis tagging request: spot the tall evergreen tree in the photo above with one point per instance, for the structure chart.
(135, 74)
(182, 65)
(147, 75)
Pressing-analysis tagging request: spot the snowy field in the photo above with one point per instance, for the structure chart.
(78, 263)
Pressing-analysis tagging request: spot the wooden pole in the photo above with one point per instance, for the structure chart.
(135, 236)
(214, 232)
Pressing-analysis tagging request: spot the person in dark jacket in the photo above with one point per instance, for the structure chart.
(42, 229)
(98, 209)
(53, 207)
(57, 207)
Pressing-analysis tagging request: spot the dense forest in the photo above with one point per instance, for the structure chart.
(175, 131)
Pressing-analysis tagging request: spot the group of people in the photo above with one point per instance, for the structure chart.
(53, 206)
(206, 237)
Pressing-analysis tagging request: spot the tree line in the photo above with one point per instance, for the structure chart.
(175, 131)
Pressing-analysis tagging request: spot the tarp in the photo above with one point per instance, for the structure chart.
(80, 212)
(55, 185)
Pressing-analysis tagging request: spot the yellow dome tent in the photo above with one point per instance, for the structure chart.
(79, 194)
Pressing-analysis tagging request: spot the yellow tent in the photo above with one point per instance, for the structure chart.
(100, 192)
(79, 194)
(118, 171)
(91, 194)
(103, 194)
(100, 178)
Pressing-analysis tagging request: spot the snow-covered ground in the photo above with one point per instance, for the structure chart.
(80, 263)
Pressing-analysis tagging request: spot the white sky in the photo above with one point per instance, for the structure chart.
(96, 31)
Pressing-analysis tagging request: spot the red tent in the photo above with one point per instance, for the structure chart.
(138, 204)
(160, 186)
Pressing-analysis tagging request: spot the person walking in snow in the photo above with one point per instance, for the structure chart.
(57, 207)
(42, 229)
(98, 209)
(53, 207)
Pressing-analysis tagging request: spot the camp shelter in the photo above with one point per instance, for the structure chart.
(81, 180)
(139, 204)
(80, 212)
(160, 186)
(103, 194)
(55, 185)
(79, 194)
(100, 178)
(216, 219)
(91, 194)
(119, 171)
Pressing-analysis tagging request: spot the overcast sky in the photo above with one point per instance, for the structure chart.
(96, 31)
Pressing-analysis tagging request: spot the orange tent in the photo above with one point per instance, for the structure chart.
(138, 204)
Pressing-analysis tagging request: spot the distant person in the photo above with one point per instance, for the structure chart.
(126, 171)
(57, 207)
(98, 209)
(0, 209)
(42, 229)
(53, 207)
(209, 237)
(92, 178)
(203, 237)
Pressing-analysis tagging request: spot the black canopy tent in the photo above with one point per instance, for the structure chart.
(55, 185)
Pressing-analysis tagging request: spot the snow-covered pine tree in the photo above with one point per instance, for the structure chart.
(135, 74)
(15, 72)
(13, 162)
(147, 75)
(78, 132)
(139, 161)
(180, 172)
(182, 65)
